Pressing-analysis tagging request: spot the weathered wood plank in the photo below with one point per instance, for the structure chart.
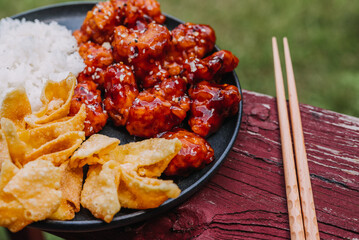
(246, 198)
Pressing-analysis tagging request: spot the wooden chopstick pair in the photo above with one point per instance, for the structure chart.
(301, 207)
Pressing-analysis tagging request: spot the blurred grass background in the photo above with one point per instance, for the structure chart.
(323, 37)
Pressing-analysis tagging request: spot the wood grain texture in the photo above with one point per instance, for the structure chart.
(246, 198)
(290, 172)
(306, 194)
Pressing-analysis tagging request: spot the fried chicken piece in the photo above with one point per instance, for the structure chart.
(98, 24)
(92, 74)
(191, 41)
(96, 58)
(143, 50)
(131, 46)
(95, 55)
(210, 68)
(174, 89)
(211, 104)
(133, 13)
(87, 93)
(151, 114)
(120, 91)
(194, 154)
(160, 108)
(153, 77)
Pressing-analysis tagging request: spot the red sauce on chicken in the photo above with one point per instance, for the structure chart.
(153, 79)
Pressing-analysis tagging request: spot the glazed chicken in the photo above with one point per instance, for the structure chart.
(96, 58)
(194, 154)
(137, 13)
(210, 68)
(87, 93)
(160, 108)
(100, 21)
(143, 50)
(120, 91)
(155, 76)
(151, 114)
(95, 55)
(174, 90)
(191, 41)
(211, 104)
(152, 79)
(98, 24)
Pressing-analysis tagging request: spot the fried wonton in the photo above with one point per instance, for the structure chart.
(16, 147)
(56, 99)
(99, 193)
(41, 135)
(36, 187)
(4, 149)
(15, 107)
(141, 192)
(149, 157)
(12, 212)
(92, 150)
(71, 186)
(58, 150)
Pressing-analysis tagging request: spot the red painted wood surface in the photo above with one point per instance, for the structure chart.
(246, 198)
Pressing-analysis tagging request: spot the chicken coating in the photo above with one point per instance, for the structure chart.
(153, 77)
(160, 108)
(194, 154)
(96, 58)
(210, 68)
(95, 55)
(87, 93)
(131, 46)
(120, 91)
(151, 114)
(98, 24)
(191, 41)
(174, 89)
(211, 104)
(137, 13)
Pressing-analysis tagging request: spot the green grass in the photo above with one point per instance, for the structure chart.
(4, 235)
(323, 37)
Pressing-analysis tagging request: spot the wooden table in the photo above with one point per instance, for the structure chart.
(246, 199)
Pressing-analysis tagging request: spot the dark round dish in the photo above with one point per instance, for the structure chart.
(72, 15)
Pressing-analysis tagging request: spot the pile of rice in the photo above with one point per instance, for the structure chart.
(32, 53)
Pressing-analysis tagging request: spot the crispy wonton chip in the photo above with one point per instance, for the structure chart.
(12, 213)
(41, 135)
(92, 150)
(142, 193)
(71, 185)
(15, 107)
(36, 187)
(9, 170)
(56, 99)
(99, 193)
(150, 157)
(58, 150)
(4, 150)
(17, 148)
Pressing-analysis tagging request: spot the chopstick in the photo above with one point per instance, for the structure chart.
(306, 194)
(305, 205)
(293, 199)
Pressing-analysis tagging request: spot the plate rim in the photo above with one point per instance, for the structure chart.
(139, 215)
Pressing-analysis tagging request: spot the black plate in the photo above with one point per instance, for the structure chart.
(72, 15)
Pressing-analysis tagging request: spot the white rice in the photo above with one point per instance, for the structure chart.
(32, 53)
